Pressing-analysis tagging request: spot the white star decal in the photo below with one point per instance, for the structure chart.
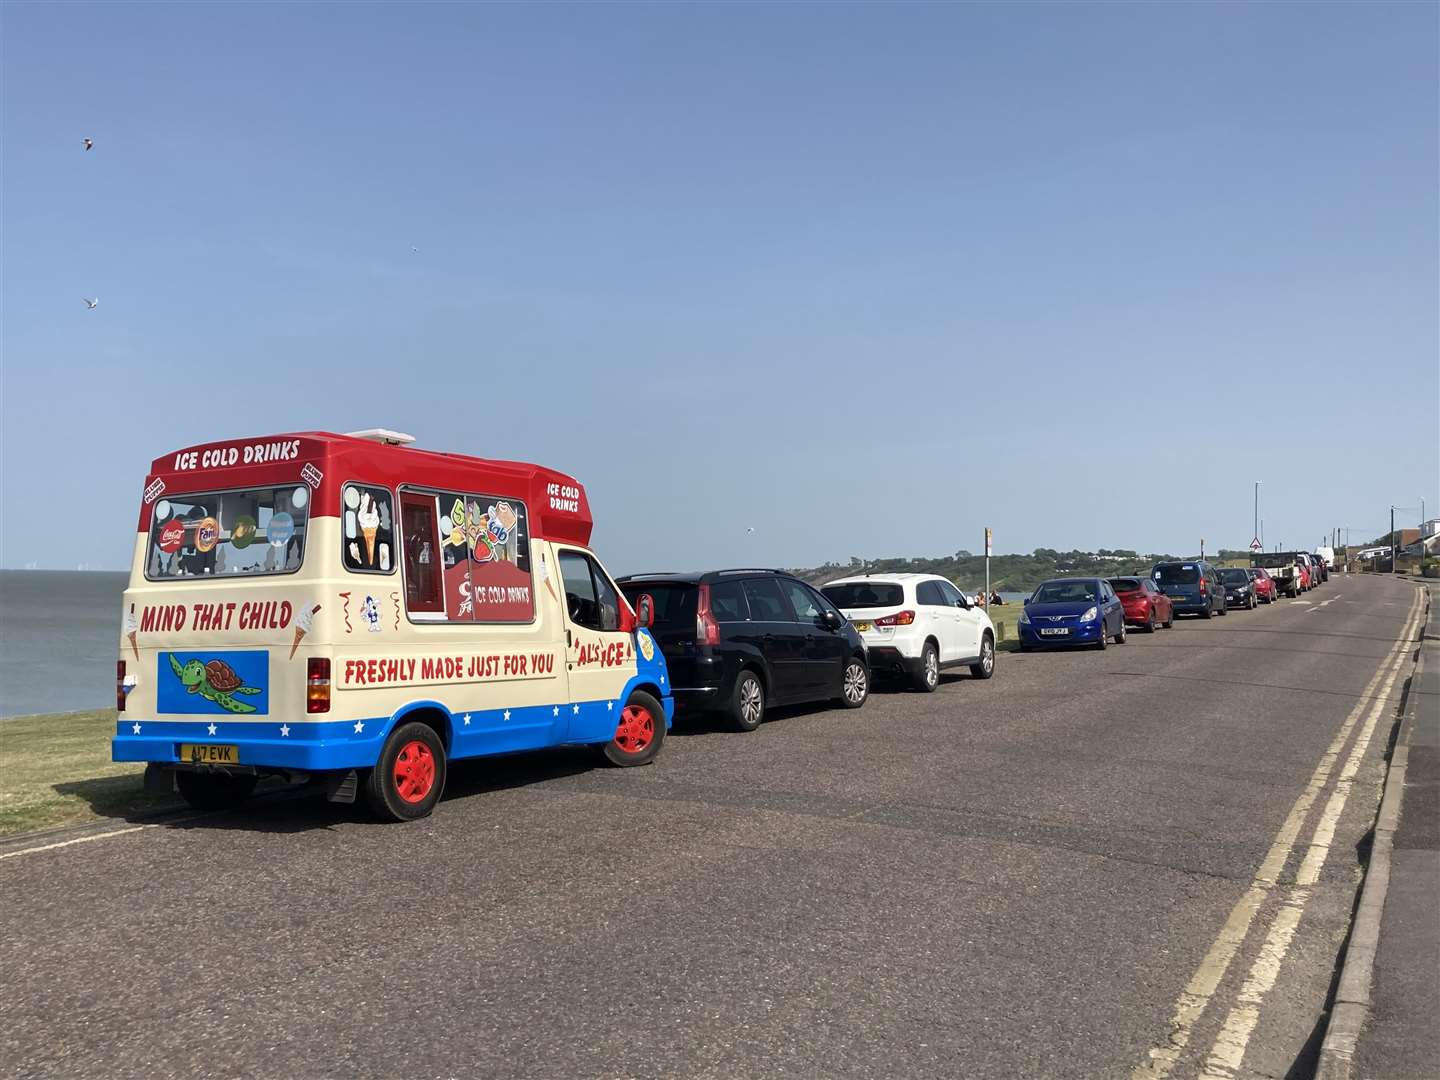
(507, 714)
(467, 719)
(135, 729)
(211, 729)
(609, 706)
(359, 726)
(662, 680)
(557, 713)
(577, 710)
(284, 731)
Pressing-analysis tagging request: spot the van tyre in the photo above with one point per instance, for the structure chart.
(854, 683)
(409, 778)
(747, 706)
(639, 733)
(1208, 612)
(927, 676)
(214, 790)
(986, 667)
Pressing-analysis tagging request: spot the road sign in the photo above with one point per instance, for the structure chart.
(1255, 544)
(987, 543)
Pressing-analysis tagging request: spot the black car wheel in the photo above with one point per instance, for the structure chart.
(927, 679)
(1150, 622)
(854, 684)
(747, 708)
(986, 667)
(1120, 637)
(1104, 638)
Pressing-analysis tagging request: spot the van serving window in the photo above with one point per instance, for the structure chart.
(253, 531)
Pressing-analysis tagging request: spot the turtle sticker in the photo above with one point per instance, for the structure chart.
(213, 682)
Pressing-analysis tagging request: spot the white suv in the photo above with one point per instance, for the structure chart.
(916, 625)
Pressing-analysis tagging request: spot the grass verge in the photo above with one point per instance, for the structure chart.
(1007, 632)
(56, 770)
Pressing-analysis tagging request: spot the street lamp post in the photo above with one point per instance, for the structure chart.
(1256, 533)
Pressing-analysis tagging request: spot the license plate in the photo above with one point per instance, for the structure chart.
(1054, 631)
(862, 626)
(202, 754)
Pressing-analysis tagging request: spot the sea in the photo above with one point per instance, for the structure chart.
(59, 639)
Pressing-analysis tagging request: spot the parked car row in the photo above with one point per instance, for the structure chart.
(737, 642)
(1096, 611)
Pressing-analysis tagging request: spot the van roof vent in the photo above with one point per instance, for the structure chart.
(384, 436)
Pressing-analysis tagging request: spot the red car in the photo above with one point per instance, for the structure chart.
(1145, 605)
(1264, 585)
(1305, 583)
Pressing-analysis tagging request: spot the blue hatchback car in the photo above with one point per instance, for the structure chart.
(1072, 611)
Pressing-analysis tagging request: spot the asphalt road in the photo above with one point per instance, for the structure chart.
(1013, 878)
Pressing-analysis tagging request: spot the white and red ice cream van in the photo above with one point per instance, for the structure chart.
(354, 611)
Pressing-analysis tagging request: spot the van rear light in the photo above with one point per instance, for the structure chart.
(707, 630)
(119, 685)
(900, 618)
(1202, 586)
(317, 684)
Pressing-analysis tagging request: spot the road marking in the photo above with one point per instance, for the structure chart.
(1230, 1045)
(1201, 987)
(1326, 603)
(77, 840)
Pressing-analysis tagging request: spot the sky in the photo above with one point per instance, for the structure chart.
(863, 279)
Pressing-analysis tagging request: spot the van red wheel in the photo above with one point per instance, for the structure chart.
(414, 771)
(409, 778)
(638, 733)
(637, 729)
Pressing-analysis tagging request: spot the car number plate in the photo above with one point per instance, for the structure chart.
(205, 754)
(862, 626)
(1054, 631)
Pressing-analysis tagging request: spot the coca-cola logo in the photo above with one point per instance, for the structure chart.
(172, 535)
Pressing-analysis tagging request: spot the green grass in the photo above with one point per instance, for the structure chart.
(1007, 633)
(56, 770)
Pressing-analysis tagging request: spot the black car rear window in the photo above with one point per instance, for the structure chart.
(674, 603)
(1125, 584)
(1177, 574)
(865, 594)
(1235, 577)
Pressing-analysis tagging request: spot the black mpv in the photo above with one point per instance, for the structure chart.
(738, 641)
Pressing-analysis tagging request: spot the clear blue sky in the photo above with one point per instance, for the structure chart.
(863, 278)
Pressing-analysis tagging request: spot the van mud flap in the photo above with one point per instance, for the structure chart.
(340, 787)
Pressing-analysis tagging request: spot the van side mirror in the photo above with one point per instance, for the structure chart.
(645, 610)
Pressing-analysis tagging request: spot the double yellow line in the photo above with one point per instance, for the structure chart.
(1229, 1047)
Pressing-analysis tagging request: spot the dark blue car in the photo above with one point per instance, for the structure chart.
(1194, 587)
(1072, 611)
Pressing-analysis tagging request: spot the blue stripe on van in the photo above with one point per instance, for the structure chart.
(316, 745)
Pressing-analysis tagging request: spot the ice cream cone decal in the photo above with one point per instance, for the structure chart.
(369, 519)
(545, 576)
(132, 628)
(303, 622)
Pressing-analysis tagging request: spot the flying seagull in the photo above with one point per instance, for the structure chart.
(414, 250)
(91, 305)
(89, 144)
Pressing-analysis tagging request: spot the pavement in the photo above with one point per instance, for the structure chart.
(1139, 862)
(1383, 1022)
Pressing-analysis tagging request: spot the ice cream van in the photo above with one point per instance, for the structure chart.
(356, 612)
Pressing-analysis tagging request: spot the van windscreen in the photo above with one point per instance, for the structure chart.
(253, 531)
(865, 594)
(1177, 574)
